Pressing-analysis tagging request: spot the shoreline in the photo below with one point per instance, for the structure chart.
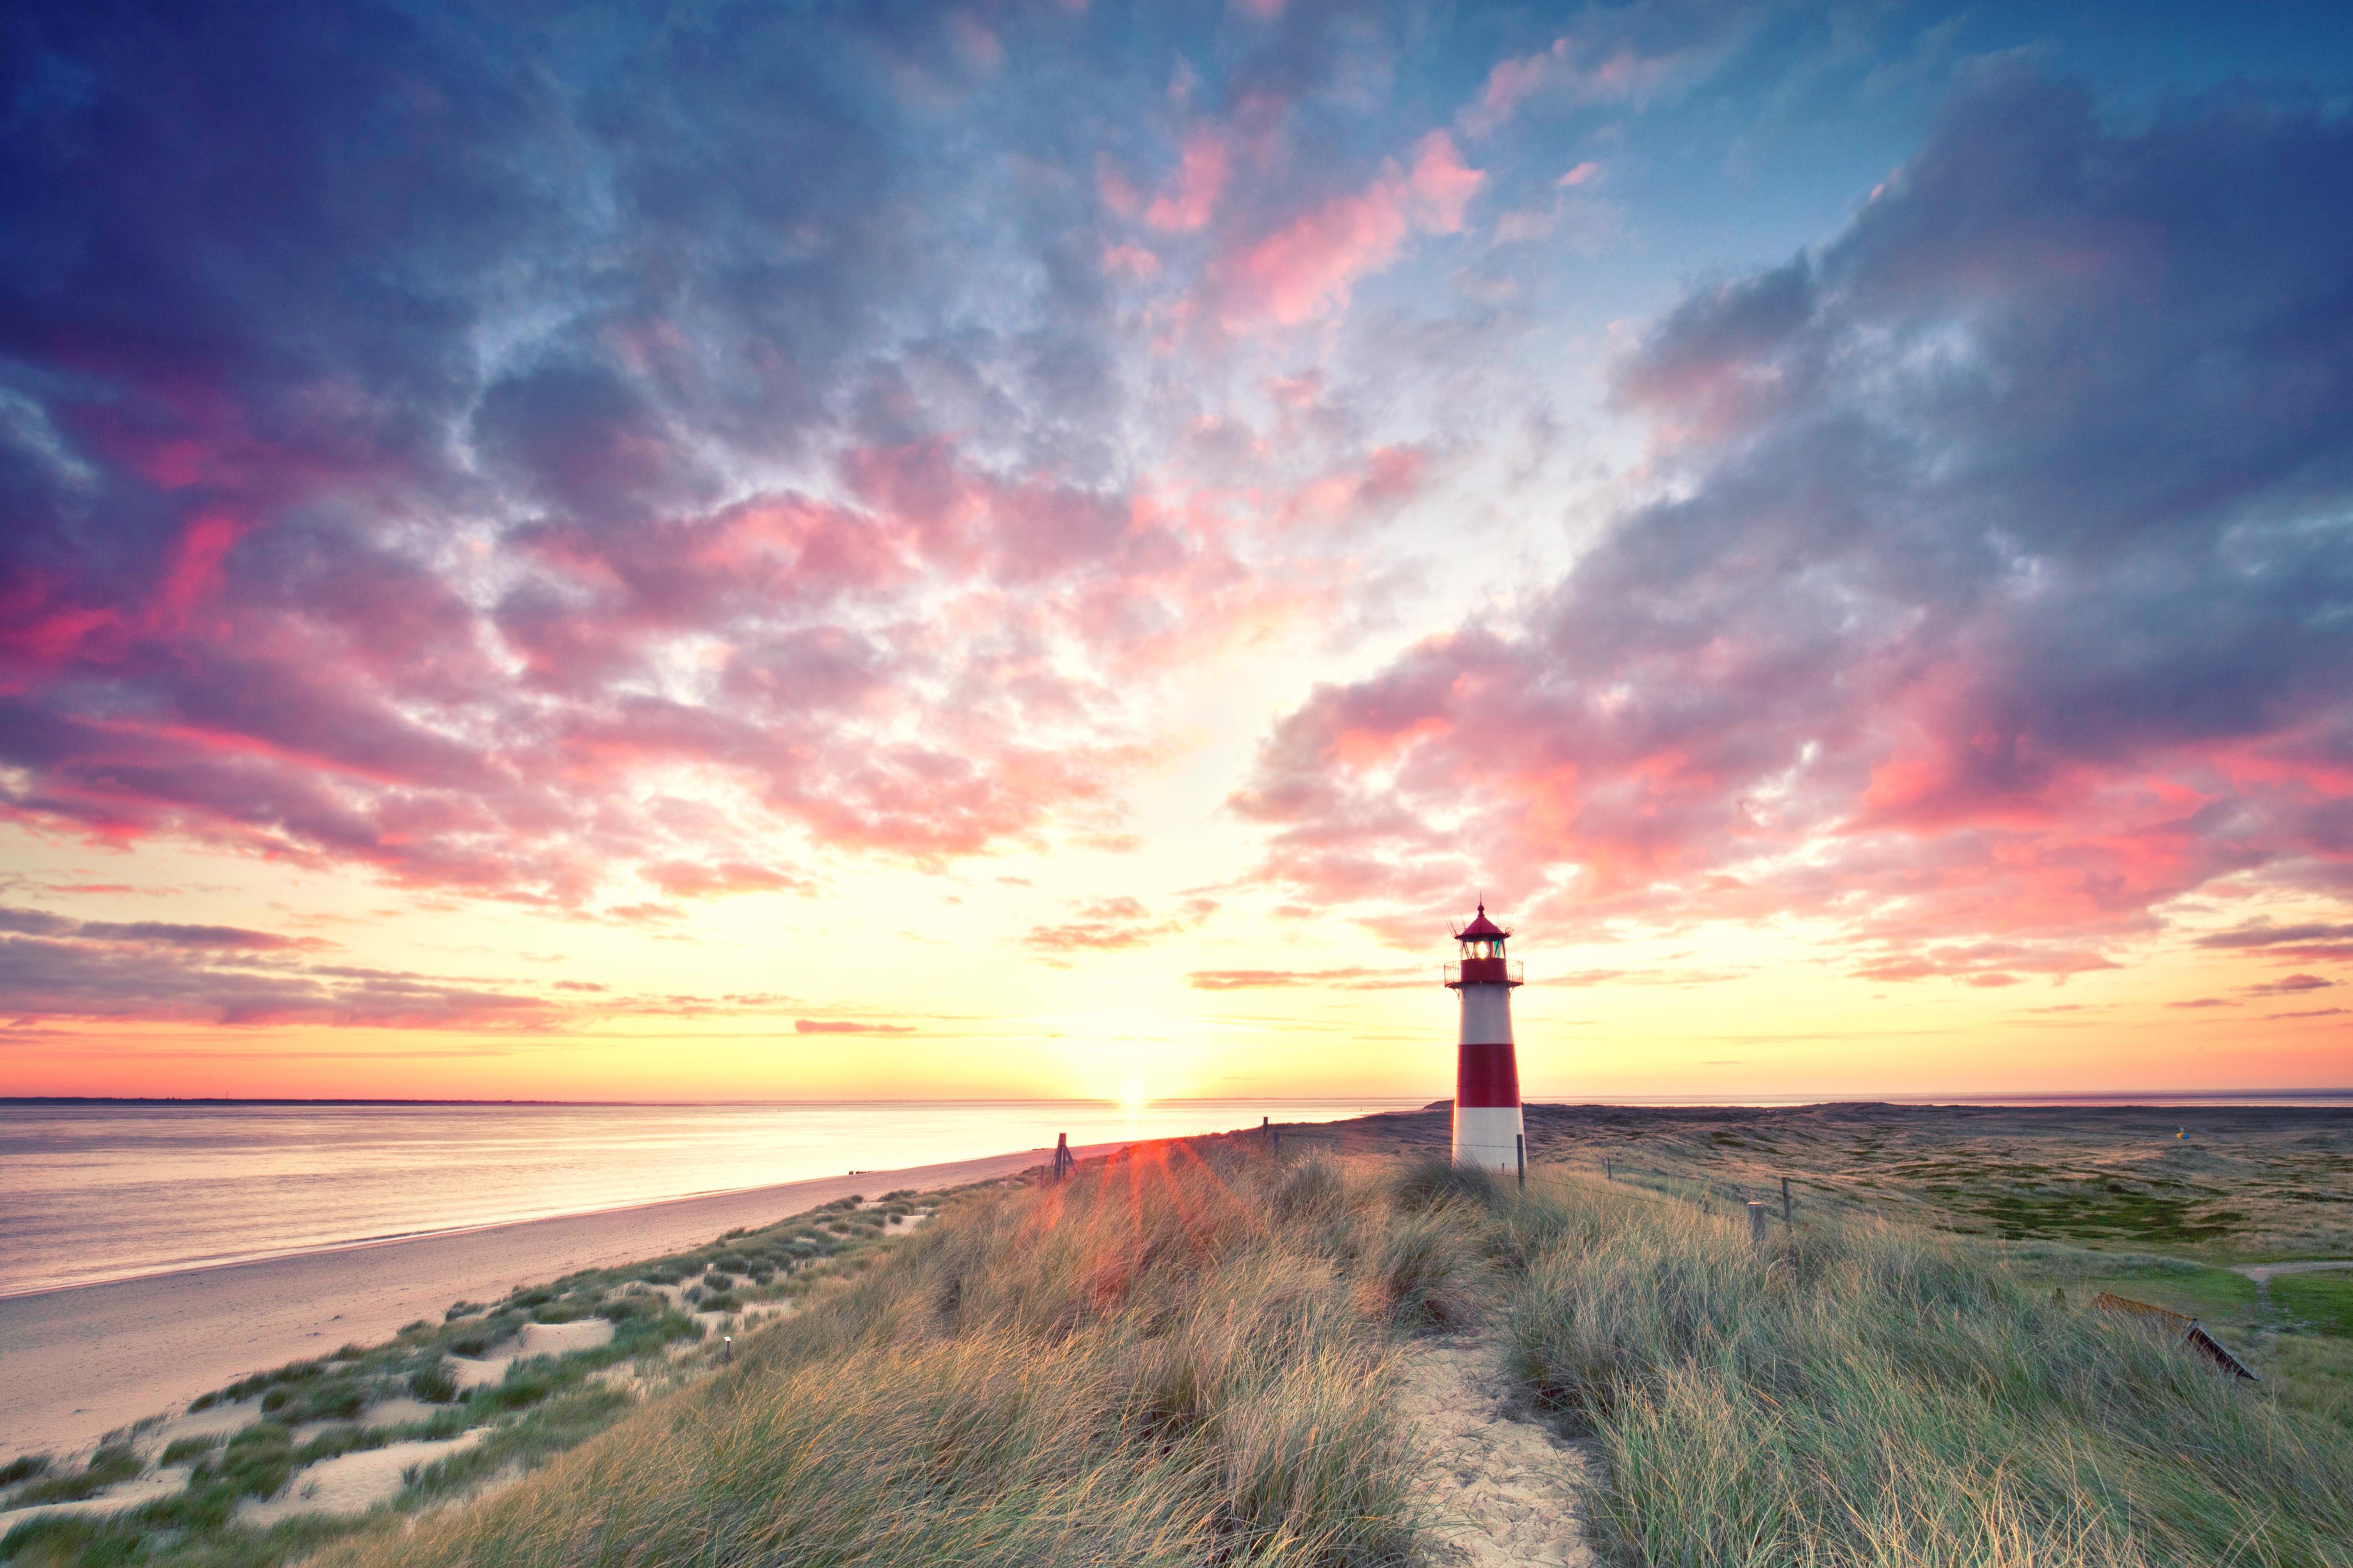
(85, 1359)
(395, 1239)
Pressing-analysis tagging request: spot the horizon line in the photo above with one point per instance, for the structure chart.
(2158, 1095)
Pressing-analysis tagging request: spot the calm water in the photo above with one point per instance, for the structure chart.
(104, 1192)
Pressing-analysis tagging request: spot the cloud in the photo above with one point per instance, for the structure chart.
(848, 1027)
(2203, 1002)
(1983, 964)
(689, 879)
(2294, 985)
(2262, 934)
(1964, 611)
(1623, 57)
(40, 922)
(582, 469)
(1308, 267)
(2312, 943)
(2313, 1013)
(46, 978)
(1202, 177)
(1110, 925)
(1346, 979)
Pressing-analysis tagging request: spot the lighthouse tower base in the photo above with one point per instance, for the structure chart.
(1489, 1137)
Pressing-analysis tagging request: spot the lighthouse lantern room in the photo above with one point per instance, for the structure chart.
(1488, 1131)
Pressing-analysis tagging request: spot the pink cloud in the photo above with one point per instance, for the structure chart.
(1509, 82)
(1200, 180)
(1578, 73)
(1873, 663)
(1113, 188)
(691, 879)
(1307, 267)
(1131, 259)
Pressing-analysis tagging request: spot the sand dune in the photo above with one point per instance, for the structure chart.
(81, 1362)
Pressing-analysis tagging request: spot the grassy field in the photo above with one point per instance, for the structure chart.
(1857, 1392)
(1190, 1355)
(2223, 1185)
(2153, 1204)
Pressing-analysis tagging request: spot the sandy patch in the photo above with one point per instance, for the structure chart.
(469, 1372)
(221, 1419)
(352, 1483)
(535, 1339)
(557, 1339)
(400, 1411)
(149, 1488)
(1502, 1489)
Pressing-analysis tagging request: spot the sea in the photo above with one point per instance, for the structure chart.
(92, 1190)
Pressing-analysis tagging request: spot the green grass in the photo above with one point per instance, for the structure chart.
(2103, 1210)
(2321, 1301)
(106, 1466)
(1859, 1393)
(183, 1449)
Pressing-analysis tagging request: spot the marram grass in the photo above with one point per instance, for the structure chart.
(1162, 1363)
(1857, 1393)
(1188, 1357)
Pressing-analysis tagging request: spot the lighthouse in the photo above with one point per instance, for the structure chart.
(1488, 1131)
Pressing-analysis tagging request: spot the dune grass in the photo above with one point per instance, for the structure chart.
(1856, 1393)
(1169, 1361)
(1188, 1356)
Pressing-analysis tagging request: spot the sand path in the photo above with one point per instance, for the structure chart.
(1502, 1490)
(78, 1362)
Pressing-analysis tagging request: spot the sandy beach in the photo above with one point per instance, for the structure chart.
(76, 1363)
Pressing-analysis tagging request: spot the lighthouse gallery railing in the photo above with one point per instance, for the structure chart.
(1487, 971)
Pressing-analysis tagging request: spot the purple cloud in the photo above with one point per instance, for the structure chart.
(2001, 593)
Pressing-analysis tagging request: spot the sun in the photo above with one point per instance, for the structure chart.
(1133, 1096)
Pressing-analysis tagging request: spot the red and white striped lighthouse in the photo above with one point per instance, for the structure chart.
(1488, 1131)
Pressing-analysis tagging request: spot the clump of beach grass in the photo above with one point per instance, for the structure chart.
(1150, 1364)
(1856, 1393)
(111, 1463)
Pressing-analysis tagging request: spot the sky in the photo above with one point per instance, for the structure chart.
(714, 550)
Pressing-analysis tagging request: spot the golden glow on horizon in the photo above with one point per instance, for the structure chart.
(955, 1003)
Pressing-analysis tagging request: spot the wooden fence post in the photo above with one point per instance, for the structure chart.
(1757, 1224)
(1785, 1200)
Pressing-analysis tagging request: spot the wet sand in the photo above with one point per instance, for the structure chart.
(76, 1363)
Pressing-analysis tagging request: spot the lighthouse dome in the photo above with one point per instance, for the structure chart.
(1481, 927)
